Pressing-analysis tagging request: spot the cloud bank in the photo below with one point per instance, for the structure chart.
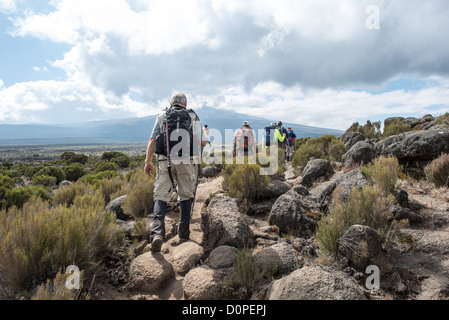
(312, 61)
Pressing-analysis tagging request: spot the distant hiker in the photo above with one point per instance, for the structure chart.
(273, 136)
(283, 132)
(244, 141)
(177, 159)
(206, 133)
(291, 139)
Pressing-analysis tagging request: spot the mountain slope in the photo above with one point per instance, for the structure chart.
(135, 130)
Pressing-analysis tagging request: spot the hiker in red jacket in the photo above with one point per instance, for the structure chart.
(244, 141)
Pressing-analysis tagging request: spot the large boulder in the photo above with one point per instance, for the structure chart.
(204, 283)
(424, 145)
(295, 213)
(322, 193)
(115, 206)
(351, 138)
(276, 188)
(186, 256)
(148, 271)
(222, 257)
(281, 257)
(210, 172)
(222, 224)
(360, 244)
(315, 169)
(362, 152)
(316, 283)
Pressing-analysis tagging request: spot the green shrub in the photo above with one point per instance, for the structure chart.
(66, 195)
(111, 155)
(105, 165)
(44, 193)
(44, 180)
(383, 172)
(396, 127)
(6, 182)
(370, 130)
(56, 289)
(444, 119)
(18, 196)
(95, 178)
(52, 171)
(110, 186)
(300, 141)
(246, 274)
(368, 206)
(122, 161)
(31, 171)
(72, 157)
(437, 172)
(303, 154)
(244, 182)
(139, 190)
(325, 147)
(38, 240)
(74, 171)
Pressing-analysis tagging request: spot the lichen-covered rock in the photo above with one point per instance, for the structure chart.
(148, 271)
(222, 224)
(280, 257)
(222, 257)
(203, 283)
(316, 283)
(360, 244)
(315, 169)
(186, 256)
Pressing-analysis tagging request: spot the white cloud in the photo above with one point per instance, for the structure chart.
(7, 6)
(329, 108)
(296, 59)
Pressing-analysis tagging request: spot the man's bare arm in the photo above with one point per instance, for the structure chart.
(149, 157)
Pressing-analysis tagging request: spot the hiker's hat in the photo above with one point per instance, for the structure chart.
(246, 123)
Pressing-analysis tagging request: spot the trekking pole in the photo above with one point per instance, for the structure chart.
(168, 158)
(196, 187)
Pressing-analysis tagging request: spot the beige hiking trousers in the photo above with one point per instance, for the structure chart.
(185, 176)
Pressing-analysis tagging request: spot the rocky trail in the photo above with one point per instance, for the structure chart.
(413, 258)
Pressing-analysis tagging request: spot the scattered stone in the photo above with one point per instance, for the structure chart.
(315, 169)
(360, 244)
(316, 283)
(222, 224)
(222, 257)
(210, 172)
(116, 207)
(148, 271)
(281, 258)
(186, 256)
(294, 214)
(351, 138)
(363, 152)
(203, 283)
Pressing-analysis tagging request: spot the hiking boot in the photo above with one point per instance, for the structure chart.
(156, 244)
(179, 241)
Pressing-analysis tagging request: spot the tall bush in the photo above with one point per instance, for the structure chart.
(38, 240)
(244, 182)
(437, 172)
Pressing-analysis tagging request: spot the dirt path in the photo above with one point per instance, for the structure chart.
(172, 289)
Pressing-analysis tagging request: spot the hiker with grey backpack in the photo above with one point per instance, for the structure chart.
(177, 140)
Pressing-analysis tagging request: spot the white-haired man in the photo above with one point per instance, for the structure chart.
(175, 162)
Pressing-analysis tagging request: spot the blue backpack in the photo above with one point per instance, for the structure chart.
(268, 135)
